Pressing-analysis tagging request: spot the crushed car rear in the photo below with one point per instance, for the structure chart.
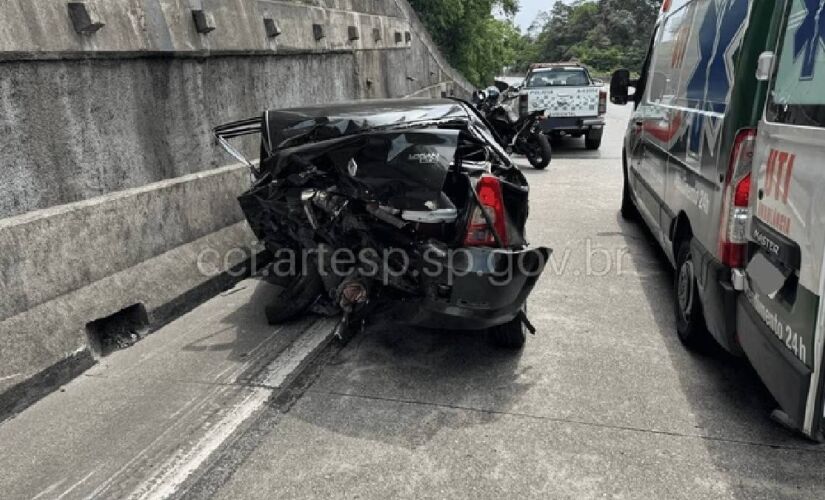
(407, 208)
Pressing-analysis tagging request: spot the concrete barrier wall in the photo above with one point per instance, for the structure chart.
(66, 266)
(112, 182)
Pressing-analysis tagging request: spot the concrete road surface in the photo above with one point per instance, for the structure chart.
(602, 402)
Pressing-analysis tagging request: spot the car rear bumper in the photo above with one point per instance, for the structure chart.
(575, 124)
(488, 291)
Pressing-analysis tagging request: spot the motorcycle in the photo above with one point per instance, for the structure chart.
(518, 134)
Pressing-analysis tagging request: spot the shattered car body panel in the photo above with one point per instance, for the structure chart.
(427, 203)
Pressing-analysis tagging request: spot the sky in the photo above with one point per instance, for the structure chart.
(529, 10)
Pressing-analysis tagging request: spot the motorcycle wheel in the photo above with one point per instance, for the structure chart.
(538, 151)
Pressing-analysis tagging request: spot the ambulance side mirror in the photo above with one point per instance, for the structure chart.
(764, 68)
(619, 87)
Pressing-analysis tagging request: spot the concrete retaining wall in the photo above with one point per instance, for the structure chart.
(133, 103)
(112, 182)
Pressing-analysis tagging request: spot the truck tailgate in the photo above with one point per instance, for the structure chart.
(564, 101)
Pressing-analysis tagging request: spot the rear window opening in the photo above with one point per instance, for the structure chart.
(118, 331)
(558, 77)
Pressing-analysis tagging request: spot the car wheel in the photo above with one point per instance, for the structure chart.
(629, 210)
(690, 318)
(296, 297)
(510, 335)
(539, 152)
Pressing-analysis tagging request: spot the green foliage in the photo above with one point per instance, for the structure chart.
(472, 39)
(604, 34)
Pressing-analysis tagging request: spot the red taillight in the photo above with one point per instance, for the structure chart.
(743, 192)
(602, 102)
(736, 201)
(479, 232)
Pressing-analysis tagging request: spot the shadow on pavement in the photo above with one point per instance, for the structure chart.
(243, 332)
(729, 403)
(573, 148)
(434, 370)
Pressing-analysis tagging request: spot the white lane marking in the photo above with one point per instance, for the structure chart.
(167, 478)
(8, 377)
(48, 490)
(75, 485)
(199, 404)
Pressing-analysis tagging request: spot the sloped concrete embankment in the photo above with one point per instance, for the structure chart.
(112, 183)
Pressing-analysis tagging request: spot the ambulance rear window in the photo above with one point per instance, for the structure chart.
(797, 96)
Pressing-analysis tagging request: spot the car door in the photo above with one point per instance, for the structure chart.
(784, 277)
(654, 119)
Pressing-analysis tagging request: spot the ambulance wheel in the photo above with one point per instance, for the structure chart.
(629, 210)
(690, 318)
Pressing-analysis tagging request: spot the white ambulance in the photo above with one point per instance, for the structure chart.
(780, 318)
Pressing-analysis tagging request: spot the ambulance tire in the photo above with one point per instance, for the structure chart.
(690, 317)
(629, 210)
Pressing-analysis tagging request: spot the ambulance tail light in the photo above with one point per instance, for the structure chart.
(736, 209)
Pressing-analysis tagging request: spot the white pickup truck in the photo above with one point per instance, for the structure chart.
(574, 104)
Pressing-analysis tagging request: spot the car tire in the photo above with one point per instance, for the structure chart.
(539, 151)
(510, 335)
(690, 317)
(629, 210)
(296, 297)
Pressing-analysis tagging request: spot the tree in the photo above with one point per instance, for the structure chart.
(471, 38)
(604, 34)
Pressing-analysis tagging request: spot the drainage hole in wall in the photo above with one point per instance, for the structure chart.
(118, 331)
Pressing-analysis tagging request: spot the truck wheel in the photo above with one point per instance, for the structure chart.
(539, 152)
(593, 142)
(690, 318)
(510, 335)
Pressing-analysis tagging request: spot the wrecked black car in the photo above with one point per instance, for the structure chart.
(408, 208)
